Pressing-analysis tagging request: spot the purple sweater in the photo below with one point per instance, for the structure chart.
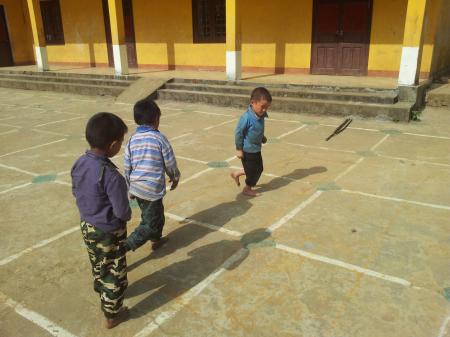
(100, 192)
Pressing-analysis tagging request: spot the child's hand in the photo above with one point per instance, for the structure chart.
(264, 140)
(174, 184)
(240, 154)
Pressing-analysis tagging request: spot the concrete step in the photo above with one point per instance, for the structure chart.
(299, 92)
(271, 86)
(398, 112)
(82, 89)
(130, 78)
(67, 79)
(439, 96)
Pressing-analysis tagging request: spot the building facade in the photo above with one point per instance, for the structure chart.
(395, 38)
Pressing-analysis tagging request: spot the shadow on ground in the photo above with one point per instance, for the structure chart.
(176, 279)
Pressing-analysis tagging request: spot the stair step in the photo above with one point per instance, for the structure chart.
(271, 86)
(83, 89)
(68, 80)
(307, 93)
(130, 78)
(399, 111)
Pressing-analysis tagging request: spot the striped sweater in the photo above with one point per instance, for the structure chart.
(148, 156)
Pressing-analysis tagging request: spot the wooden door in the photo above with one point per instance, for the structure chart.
(108, 33)
(129, 33)
(341, 35)
(5, 47)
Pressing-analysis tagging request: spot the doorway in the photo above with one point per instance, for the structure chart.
(341, 37)
(6, 58)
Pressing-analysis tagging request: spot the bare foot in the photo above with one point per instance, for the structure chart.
(122, 316)
(235, 178)
(249, 192)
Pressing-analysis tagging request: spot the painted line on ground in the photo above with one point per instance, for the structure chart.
(192, 160)
(443, 330)
(413, 202)
(11, 126)
(15, 188)
(294, 212)
(320, 148)
(291, 132)
(51, 132)
(40, 244)
(344, 265)
(33, 147)
(413, 160)
(195, 176)
(203, 224)
(12, 168)
(187, 297)
(221, 124)
(270, 119)
(212, 113)
(8, 132)
(181, 136)
(51, 327)
(427, 136)
(59, 121)
(350, 127)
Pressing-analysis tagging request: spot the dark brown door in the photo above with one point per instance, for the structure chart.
(341, 35)
(5, 47)
(108, 33)
(129, 32)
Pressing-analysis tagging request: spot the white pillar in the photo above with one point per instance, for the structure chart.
(120, 59)
(234, 61)
(41, 58)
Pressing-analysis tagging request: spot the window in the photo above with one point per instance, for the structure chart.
(208, 17)
(51, 19)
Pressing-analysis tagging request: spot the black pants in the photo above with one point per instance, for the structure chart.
(151, 226)
(253, 167)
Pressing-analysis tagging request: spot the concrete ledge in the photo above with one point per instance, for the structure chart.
(140, 89)
(414, 94)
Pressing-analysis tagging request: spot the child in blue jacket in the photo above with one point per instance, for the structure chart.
(249, 137)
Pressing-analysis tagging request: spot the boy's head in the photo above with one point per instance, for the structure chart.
(105, 132)
(260, 100)
(146, 112)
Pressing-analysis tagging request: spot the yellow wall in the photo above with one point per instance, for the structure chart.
(19, 31)
(276, 33)
(84, 34)
(164, 36)
(386, 37)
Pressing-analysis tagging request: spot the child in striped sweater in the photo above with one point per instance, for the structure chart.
(148, 157)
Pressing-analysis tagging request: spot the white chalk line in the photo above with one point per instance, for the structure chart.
(59, 121)
(38, 245)
(344, 265)
(51, 132)
(8, 132)
(294, 212)
(221, 124)
(181, 136)
(195, 176)
(320, 148)
(428, 136)
(41, 321)
(443, 329)
(15, 188)
(373, 148)
(291, 132)
(413, 202)
(414, 160)
(192, 160)
(212, 113)
(187, 297)
(203, 224)
(12, 168)
(33, 147)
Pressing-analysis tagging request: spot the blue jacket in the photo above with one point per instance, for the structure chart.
(250, 131)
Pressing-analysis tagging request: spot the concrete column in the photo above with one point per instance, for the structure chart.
(118, 37)
(37, 29)
(233, 41)
(412, 43)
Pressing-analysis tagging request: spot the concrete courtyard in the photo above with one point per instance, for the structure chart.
(349, 237)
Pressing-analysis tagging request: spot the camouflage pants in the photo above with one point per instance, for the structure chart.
(109, 265)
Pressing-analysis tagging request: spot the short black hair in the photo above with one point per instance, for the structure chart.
(104, 128)
(261, 93)
(146, 112)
